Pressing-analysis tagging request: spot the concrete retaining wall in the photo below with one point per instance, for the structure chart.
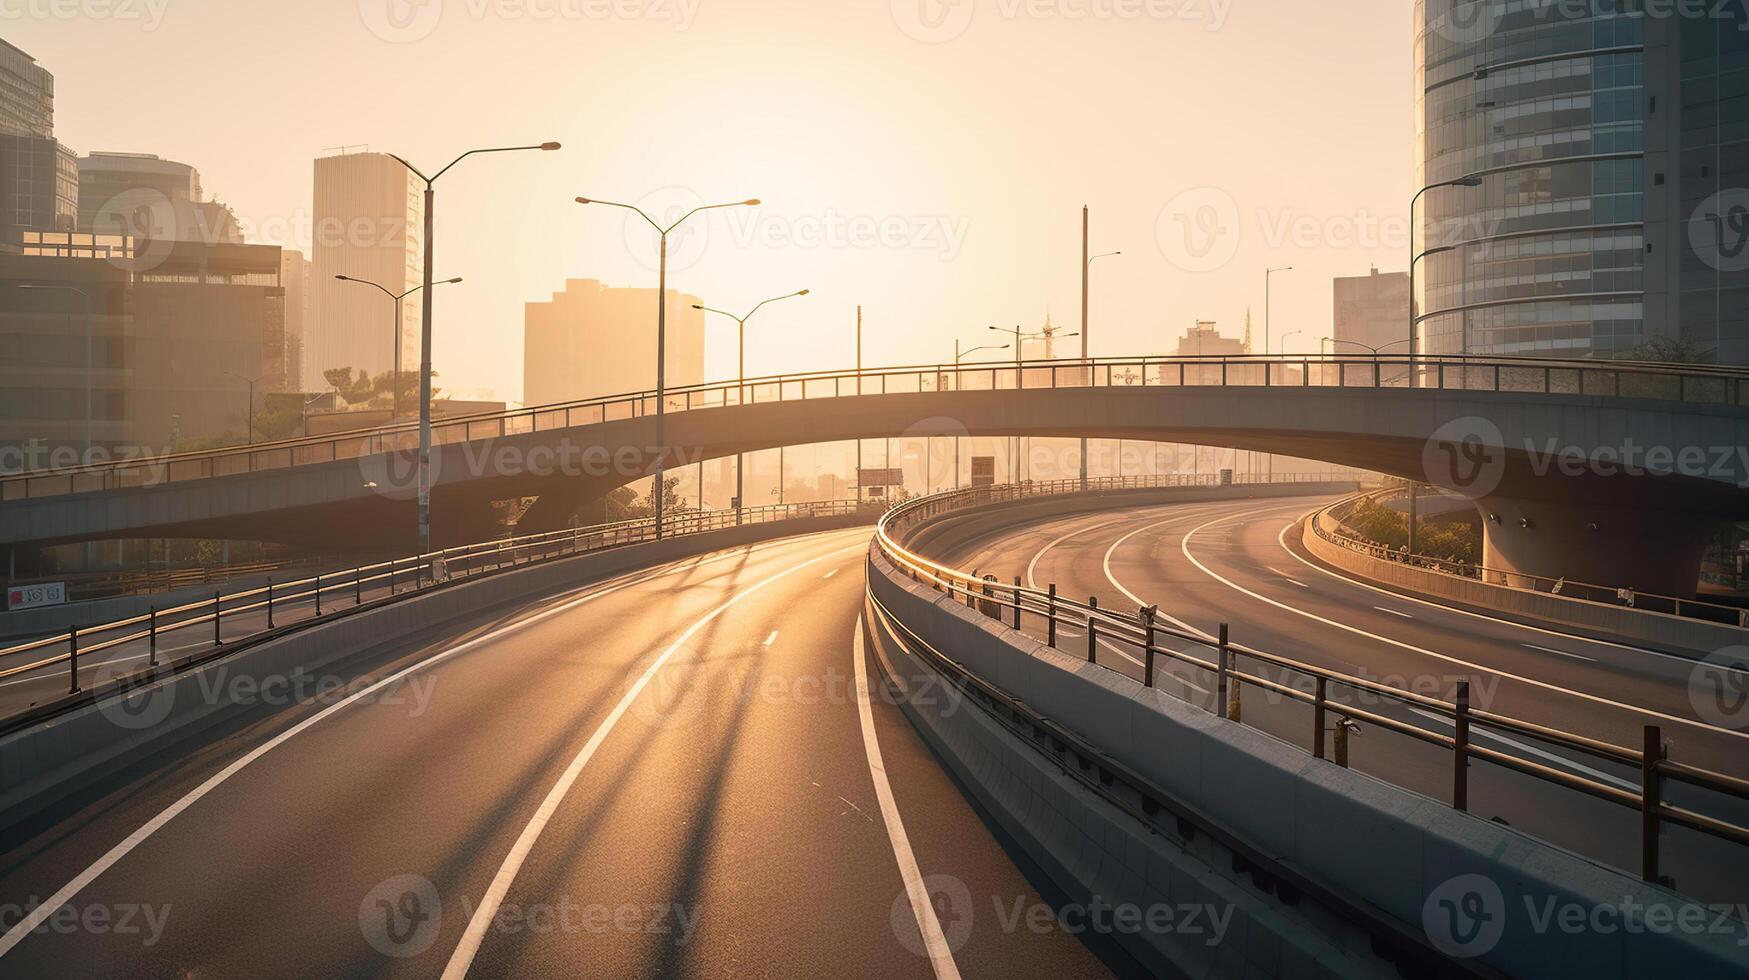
(1675, 634)
(42, 764)
(1415, 861)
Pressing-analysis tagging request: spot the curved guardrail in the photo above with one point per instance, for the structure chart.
(1695, 384)
(349, 588)
(1560, 587)
(1329, 693)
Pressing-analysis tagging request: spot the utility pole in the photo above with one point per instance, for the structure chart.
(1086, 274)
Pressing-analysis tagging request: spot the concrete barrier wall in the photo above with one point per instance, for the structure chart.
(44, 763)
(1415, 861)
(25, 624)
(1676, 634)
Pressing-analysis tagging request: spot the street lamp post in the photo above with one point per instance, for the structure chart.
(425, 327)
(397, 297)
(86, 297)
(1020, 377)
(1087, 261)
(251, 382)
(1469, 180)
(959, 356)
(741, 380)
(1268, 274)
(660, 490)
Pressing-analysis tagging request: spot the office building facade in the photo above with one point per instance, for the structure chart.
(1611, 144)
(39, 181)
(593, 340)
(145, 196)
(369, 224)
(1372, 313)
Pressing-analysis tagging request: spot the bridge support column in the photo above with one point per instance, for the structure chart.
(1648, 548)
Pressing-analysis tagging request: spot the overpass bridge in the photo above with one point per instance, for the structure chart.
(1603, 470)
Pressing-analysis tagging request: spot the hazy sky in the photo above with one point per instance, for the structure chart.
(928, 160)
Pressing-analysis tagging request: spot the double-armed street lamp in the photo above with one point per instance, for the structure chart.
(741, 381)
(660, 491)
(1020, 376)
(1086, 326)
(1469, 180)
(425, 326)
(397, 297)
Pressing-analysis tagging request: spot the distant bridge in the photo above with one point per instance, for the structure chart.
(1606, 470)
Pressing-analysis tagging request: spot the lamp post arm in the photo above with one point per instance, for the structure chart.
(702, 207)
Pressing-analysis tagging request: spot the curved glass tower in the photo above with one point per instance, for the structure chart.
(1594, 140)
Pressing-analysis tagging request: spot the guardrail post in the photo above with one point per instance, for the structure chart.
(72, 660)
(1320, 700)
(1051, 617)
(1221, 681)
(358, 586)
(1345, 728)
(1017, 602)
(1147, 648)
(1092, 630)
(1651, 802)
(270, 603)
(318, 595)
(218, 620)
(152, 637)
(1460, 777)
(392, 564)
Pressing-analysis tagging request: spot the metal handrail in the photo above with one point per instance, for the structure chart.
(1144, 635)
(1617, 597)
(411, 573)
(1703, 384)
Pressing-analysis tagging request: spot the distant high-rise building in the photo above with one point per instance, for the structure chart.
(1613, 159)
(369, 225)
(592, 340)
(294, 278)
(145, 196)
(27, 95)
(39, 181)
(1372, 313)
(1205, 340)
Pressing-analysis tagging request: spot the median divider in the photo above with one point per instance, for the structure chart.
(52, 759)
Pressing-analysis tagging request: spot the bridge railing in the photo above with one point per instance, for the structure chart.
(231, 617)
(1695, 384)
(1339, 702)
(1565, 588)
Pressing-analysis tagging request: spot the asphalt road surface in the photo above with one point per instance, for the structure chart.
(672, 773)
(1231, 562)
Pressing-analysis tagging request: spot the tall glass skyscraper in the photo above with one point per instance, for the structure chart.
(1611, 146)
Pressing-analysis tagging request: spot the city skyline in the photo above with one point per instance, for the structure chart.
(991, 239)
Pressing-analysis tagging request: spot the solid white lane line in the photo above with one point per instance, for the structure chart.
(487, 910)
(770, 639)
(1559, 760)
(922, 907)
(1561, 653)
(1581, 695)
(1689, 661)
(830, 573)
(1393, 612)
(42, 912)
(1032, 566)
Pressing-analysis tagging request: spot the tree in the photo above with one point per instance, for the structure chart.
(1668, 349)
(378, 392)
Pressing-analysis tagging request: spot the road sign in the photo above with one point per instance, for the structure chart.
(36, 596)
(983, 471)
(868, 479)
